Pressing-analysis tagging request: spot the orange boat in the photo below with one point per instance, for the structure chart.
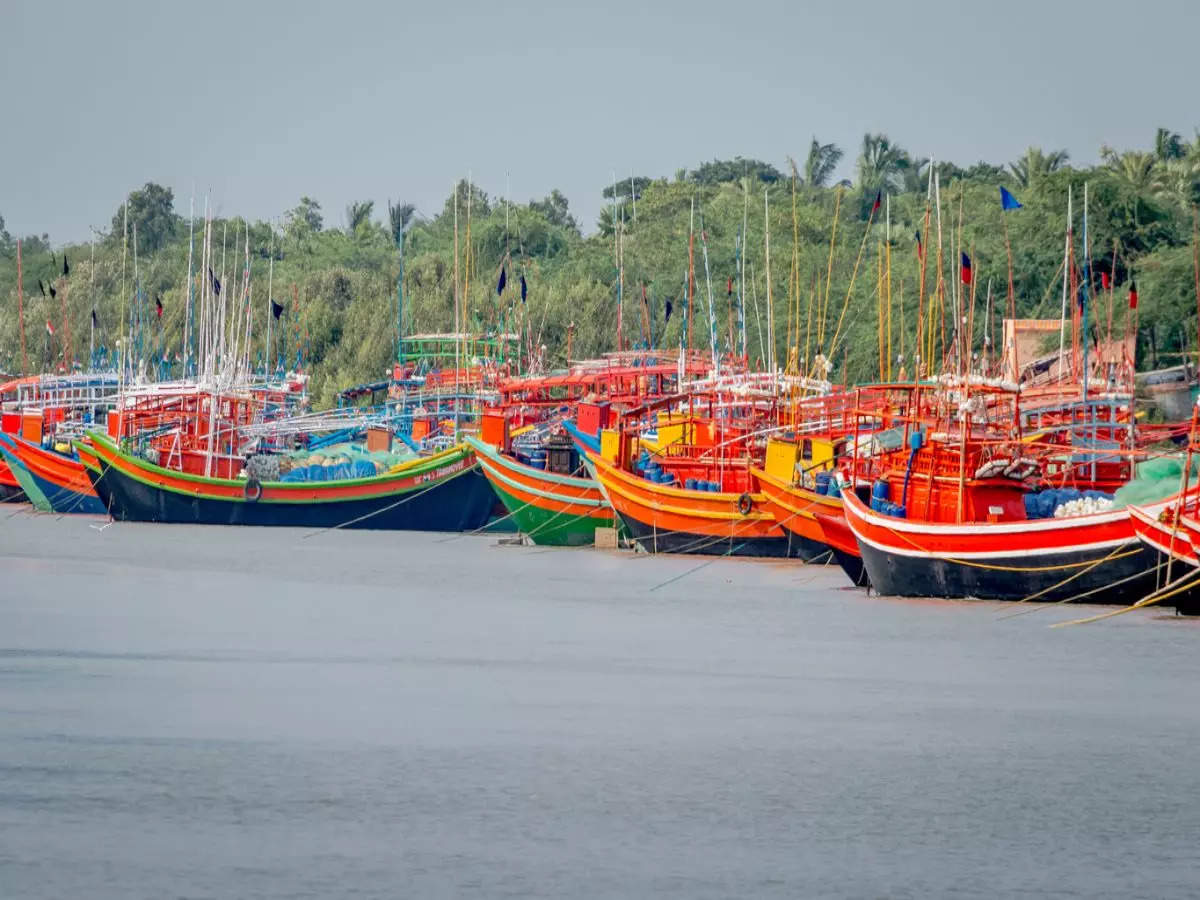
(678, 476)
(665, 519)
(61, 478)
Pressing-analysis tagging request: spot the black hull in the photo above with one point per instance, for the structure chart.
(1124, 579)
(461, 503)
(853, 566)
(811, 551)
(10, 493)
(658, 541)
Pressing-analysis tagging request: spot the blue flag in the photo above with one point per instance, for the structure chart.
(524, 289)
(503, 281)
(1007, 200)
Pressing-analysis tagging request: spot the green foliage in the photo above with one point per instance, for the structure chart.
(621, 188)
(820, 164)
(151, 215)
(358, 216)
(720, 171)
(1037, 164)
(339, 286)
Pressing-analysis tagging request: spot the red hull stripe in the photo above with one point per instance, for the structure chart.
(976, 541)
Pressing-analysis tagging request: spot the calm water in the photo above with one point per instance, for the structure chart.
(209, 712)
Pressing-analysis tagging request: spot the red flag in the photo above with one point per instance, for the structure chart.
(729, 287)
(1133, 295)
(878, 201)
(1105, 281)
(966, 269)
(49, 328)
(158, 305)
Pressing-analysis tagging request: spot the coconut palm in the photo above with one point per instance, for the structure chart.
(881, 164)
(915, 177)
(822, 160)
(1178, 181)
(399, 216)
(1036, 164)
(1135, 169)
(358, 214)
(1168, 145)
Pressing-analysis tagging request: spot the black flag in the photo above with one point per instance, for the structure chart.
(276, 310)
(216, 285)
(524, 289)
(66, 267)
(95, 321)
(502, 282)
(667, 317)
(41, 287)
(53, 292)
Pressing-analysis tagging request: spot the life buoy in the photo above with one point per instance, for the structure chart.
(745, 504)
(253, 489)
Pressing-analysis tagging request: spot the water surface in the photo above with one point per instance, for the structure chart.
(194, 712)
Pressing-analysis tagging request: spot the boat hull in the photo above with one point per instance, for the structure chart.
(551, 510)
(61, 480)
(10, 488)
(1093, 559)
(662, 519)
(443, 493)
(796, 509)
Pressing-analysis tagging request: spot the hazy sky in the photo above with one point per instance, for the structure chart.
(259, 103)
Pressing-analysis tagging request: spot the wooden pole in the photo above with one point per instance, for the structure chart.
(21, 311)
(770, 306)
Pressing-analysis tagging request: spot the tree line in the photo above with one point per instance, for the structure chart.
(337, 280)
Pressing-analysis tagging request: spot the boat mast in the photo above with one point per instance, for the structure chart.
(21, 311)
(187, 313)
(1062, 325)
(770, 309)
(92, 306)
(270, 300)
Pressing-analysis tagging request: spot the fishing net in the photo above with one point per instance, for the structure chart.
(1156, 480)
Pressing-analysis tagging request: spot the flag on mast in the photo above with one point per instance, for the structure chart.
(966, 269)
(1007, 200)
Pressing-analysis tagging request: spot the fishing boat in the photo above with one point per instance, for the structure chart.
(680, 480)
(1095, 557)
(532, 452)
(39, 416)
(61, 481)
(10, 488)
(549, 505)
(944, 508)
(443, 492)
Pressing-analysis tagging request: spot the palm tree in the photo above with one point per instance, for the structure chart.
(1136, 169)
(399, 217)
(1178, 181)
(1168, 145)
(915, 177)
(358, 214)
(1036, 164)
(881, 164)
(822, 160)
